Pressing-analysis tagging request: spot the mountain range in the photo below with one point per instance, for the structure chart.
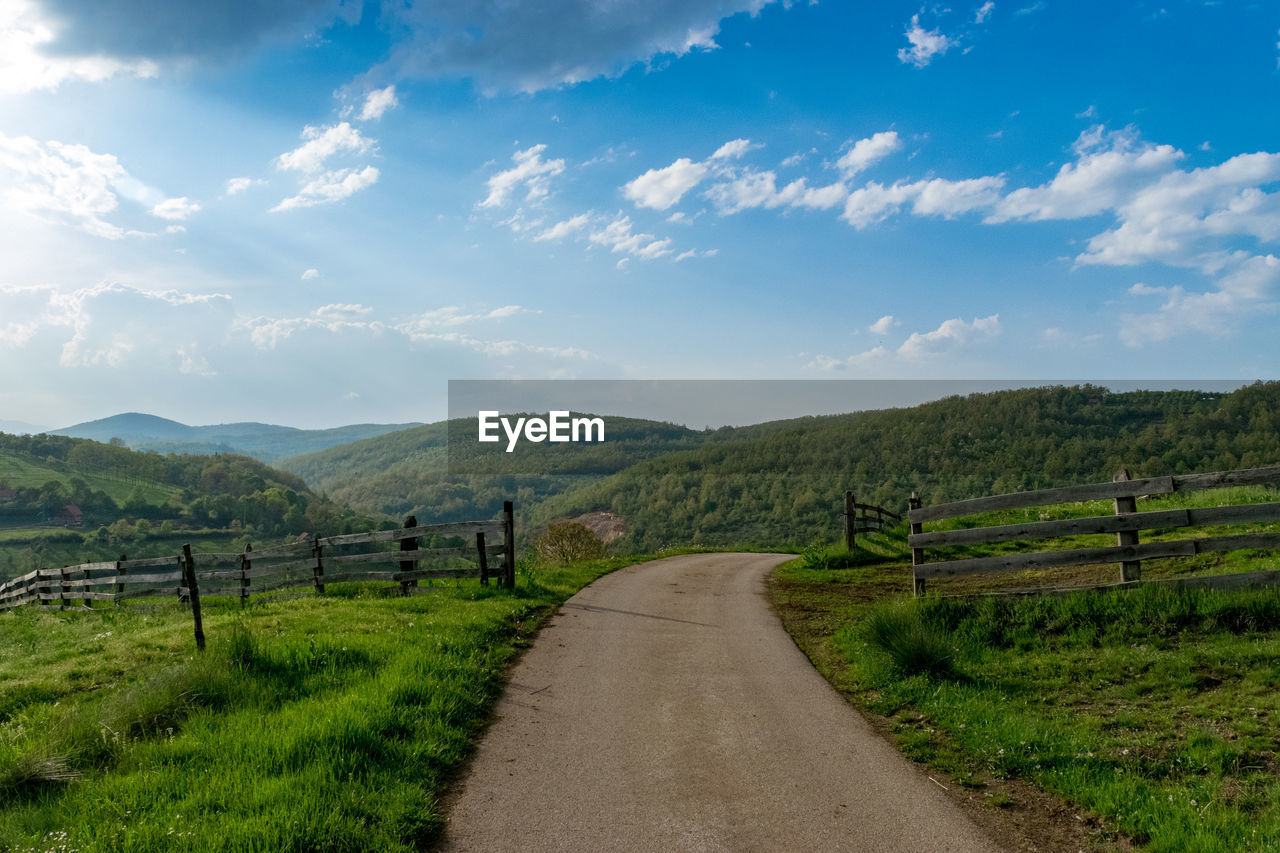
(265, 442)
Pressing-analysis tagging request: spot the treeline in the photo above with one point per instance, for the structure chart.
(785, 486)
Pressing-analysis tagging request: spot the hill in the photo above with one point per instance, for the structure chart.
(408, 471)
(785, 487)
(266, 442)
(70, 500)
(780, 483)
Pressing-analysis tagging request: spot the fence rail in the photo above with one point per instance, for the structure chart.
(1125, 521)
(863, 518)
(313, 562)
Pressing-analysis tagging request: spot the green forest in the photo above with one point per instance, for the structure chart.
(780, 483)
(73, 499)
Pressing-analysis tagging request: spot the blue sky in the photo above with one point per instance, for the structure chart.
(316, 213)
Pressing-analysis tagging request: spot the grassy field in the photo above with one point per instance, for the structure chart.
(17, 471)
(313, 723)
(1154, 711)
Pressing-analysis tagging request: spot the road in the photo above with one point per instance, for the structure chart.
(664, 708)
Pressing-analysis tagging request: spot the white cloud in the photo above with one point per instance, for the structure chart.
(984, 11)
(1109, 167)
(884, 325)
(530, 170)
(378, 102)
(949, 335)
(925, 44)
(46, 308)
(175, 208)
(1247, 288)
(310, 274)
(659, 189)
(25, 67)
(565, 228)
(732, 150)
(323, 143)
(330, 187)
(936, 197)
(192, 362)
(64, 183)
(239, 185)
(866, 152)
(618, 237)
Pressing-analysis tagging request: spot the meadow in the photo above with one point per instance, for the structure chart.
(310, 723)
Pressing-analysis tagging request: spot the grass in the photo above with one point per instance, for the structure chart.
(1154, 710)
(316, 723)
(18, 471)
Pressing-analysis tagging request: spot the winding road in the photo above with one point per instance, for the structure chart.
(664, 708)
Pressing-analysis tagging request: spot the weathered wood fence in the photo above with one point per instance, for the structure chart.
(412, 551)
(863, 518)
(1125, 522)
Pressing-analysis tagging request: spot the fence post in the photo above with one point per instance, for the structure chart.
(119, 587)
(245, 565)
(1130, 570)
(509, 540)
(850, 531)
(317, 552)
(86, 601)
(917, 554)
(484, 558)
(193, 593)
(63, 590)
(410, 544)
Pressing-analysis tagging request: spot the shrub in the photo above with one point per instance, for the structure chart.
(569, 542)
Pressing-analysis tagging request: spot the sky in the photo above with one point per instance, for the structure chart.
(315, 213)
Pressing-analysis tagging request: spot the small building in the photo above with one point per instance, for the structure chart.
(71, 516)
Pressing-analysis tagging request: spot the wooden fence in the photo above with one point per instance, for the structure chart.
(863, 518)
(488, 545)
(1125, 522)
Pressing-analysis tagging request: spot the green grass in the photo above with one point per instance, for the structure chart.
(19, 471)
(314, 723)
(1154, 709)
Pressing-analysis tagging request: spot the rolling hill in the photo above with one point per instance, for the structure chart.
(266, 442)
(780, 483)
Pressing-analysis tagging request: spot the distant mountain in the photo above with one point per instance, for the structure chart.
(21, 428)
(265, 442)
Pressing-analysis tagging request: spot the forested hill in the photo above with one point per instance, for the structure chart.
(781, 482)
(785, 487)
(71, 482)
(407, 471)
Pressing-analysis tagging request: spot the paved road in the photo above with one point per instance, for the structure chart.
(664, 708)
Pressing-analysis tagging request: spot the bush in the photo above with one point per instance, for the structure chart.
(915, 648)
(569, 542)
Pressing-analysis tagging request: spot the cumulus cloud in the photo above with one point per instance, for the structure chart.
(323, 143)
(732, 150)
(68, 184)
(330, 187)
(618, 236)
(378, 102)
(951, 336)
(659, 189)
(866, 152)
(309, 275)
(530, 172)
(935, 197)
(884, 325)
(924, 44)
(984, 12)
(175, 208)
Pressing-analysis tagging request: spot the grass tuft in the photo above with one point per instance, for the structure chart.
(915, 648)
